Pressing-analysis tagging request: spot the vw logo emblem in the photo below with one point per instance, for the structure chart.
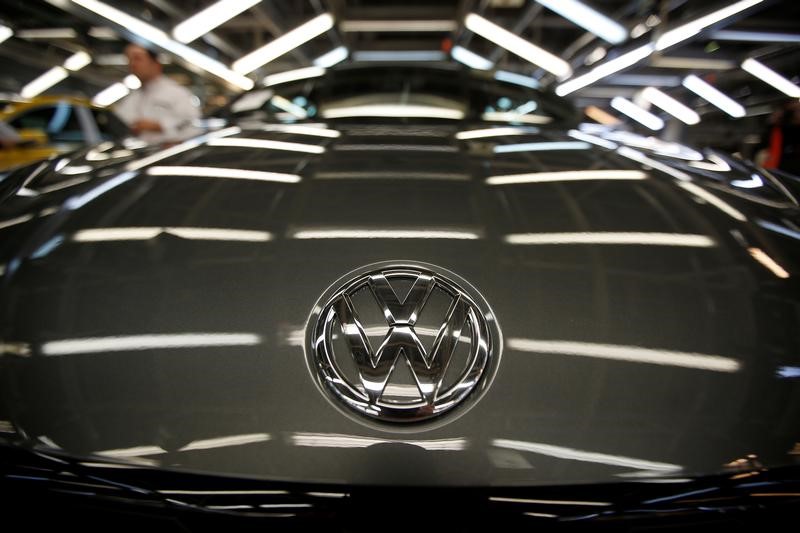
(402, 342)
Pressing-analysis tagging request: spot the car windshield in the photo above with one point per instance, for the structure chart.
(400, 92)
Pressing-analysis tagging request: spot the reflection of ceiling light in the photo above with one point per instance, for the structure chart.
(605, 69)
(517, 45)
(601, 116)
(333, 440)
(714, 200)
(621, 238)
(125, 343)
(587, 18)
(384, 234)
(224, 173)
(754, 182)
(335, 56)
(769, 76)
(313, 131)
(631, 354)
(572, 454)
(264, 144)
(516, 79)
(393, 110)
(283, 44)
(293, 109)
(293, 75)
(224, 442)
(642, 116)
(470, 59)
(567, 175)
(44, 82)
(185, 232)
(755, 36)
(398, 25)
(714, 164)
(496, 132)
(206, 20)
(540, 147)
(593, 139)
(692, 63)
(495, 116)
(546, 502)
(759, 255)
(670, 105)
(103, 33)
(638, 156)
(713, 96)
(692, 28)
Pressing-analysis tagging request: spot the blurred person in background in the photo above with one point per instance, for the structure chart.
(780, 144)
(161, 110)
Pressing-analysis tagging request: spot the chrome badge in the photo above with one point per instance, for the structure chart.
(402, 342)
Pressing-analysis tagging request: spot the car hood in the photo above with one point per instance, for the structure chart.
(646, 293)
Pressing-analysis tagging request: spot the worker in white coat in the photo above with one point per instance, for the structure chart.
(161, 110)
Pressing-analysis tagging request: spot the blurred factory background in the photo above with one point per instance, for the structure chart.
(707, 73)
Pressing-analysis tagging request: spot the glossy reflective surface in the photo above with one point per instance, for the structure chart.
(153, 308)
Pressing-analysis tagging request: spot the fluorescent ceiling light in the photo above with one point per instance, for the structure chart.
(293, 75)
(110, 94)
(670, 105)
(77, 61)
(587, 18)
(516, 79)
(769, 263)
(132, 82)
(264, 144)
(293, 109)
(632, 354)
(769, 76)
(103, 33)
(358, 233)
(334, 57)
(283, 44)
(593, 139)
(633, 238)
(755, 36)
(638, 114)
(111, 60)
(571, 454)
(393, 110)
(48, 33)
(125, 343)
(541, 147)
(223, 173)
(161, 39)
(495, 116)
(692, 63)
(605, 69)
(398, 25)
(644, 80)
(690, 29)
(399, 55)
(470, 59)
(314, 131)
(5, 33)
(713, 96)
(567, 175)
(209, 18)
(496, 132)
(528, 107)
(518, 46)
(44, 82)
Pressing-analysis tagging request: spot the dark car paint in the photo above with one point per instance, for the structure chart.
(572, 403)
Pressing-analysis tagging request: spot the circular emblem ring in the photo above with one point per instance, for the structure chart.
(337, 337)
